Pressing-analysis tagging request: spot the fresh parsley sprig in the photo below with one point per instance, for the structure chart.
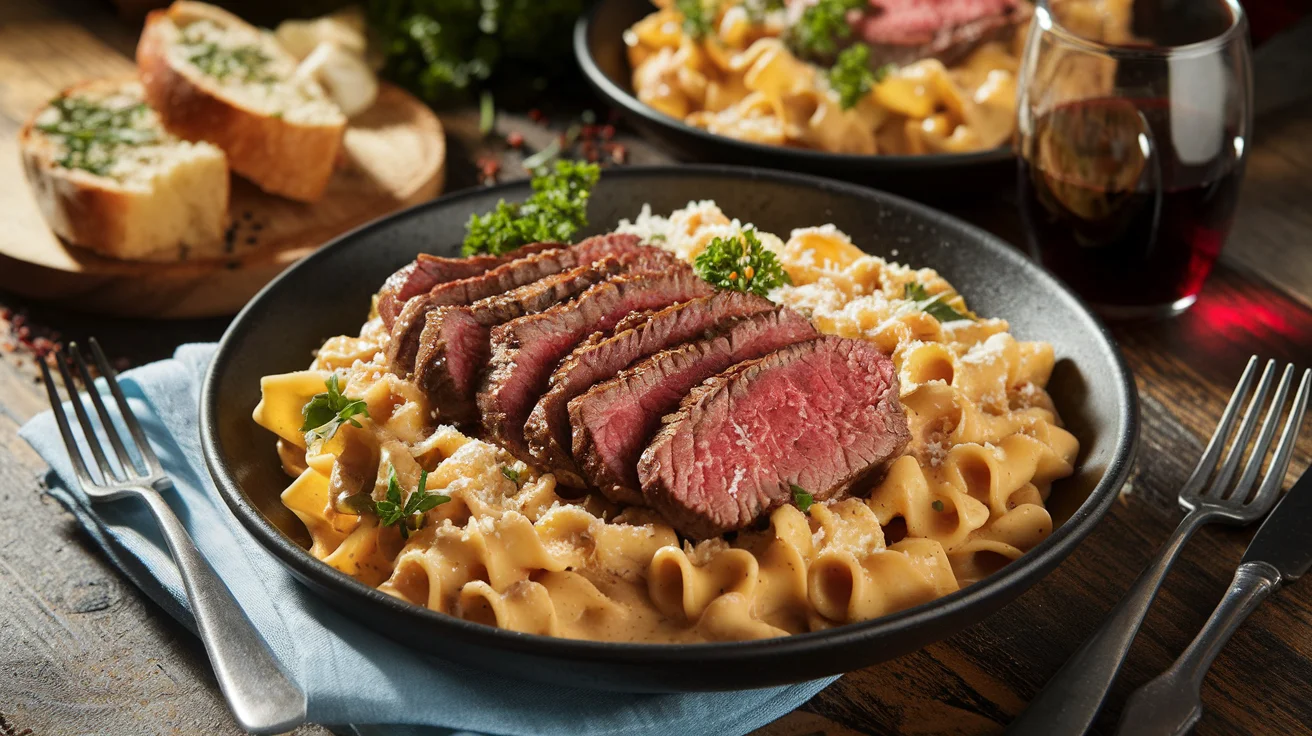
(393, 510)
(556, 210)
(698, 16)
(741, 264)
(851, 76)
(821, 26)
(802, 498)
(327, 412)
(935, 306)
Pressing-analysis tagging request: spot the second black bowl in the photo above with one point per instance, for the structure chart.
(599, 48)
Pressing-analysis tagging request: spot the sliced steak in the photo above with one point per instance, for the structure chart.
(525, 351)
(427, 271)
(613, 421)
(403, 346)
(905, 31)
(821, 414)
(453, 347)
(596, 360)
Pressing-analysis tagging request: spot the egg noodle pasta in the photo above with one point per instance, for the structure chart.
(966, 496)
(741, 80)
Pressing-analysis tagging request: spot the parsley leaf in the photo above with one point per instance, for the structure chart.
(511, 474)
(821, 26)
(327, 412)
(935, 306)
(802, 498)
(740, 265)
(698, 19)
(391, 510)
(937, 505)
(851, 76)
(556, 210)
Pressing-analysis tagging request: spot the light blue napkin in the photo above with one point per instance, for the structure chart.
(350, 673)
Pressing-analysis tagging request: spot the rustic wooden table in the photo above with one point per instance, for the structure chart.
(82, 651)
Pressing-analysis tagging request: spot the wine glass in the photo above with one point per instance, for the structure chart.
(1134, 117)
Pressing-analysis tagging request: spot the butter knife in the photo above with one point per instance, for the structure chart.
(1280, 553)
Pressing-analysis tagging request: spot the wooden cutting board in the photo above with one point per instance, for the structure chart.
(394, 156)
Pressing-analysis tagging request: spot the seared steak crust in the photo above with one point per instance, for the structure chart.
(602, 356)
(403, 346)
(613, 421)
(525, 351)
(453, 347)
(427, 271)
(821, 414)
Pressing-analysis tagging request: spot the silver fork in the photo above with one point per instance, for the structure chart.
(1071, 700)
(261, 695)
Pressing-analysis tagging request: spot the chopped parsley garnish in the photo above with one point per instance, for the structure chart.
(556, 210)
(247, 63)
(741, 264)
(391, 510)
(328, 411)
(937, 505)
(802, 498)
(935, 306)
(698, 17)
(511, 474)
(93, 135)
(821, 26)
(851, 76)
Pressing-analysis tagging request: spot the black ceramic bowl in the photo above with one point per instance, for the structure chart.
(599, 48)
(329, 294)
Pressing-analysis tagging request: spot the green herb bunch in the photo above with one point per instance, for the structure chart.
(443, 50)
(741, 265)
(851, 76)
(556, 210)
(93, 135)
(327, 412)
(408, 513)
(821, 26)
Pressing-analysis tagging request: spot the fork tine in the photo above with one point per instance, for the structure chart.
(1207, 463)
(1275, 475)
(70, 442)
(139, 437)
(124, 459)
(1254, 465)
(88, 429)
(1221, 486)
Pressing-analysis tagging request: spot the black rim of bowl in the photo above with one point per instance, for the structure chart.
(618, 95)
(1022, 572)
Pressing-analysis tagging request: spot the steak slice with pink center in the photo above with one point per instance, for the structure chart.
(613, 421)
(822, 415)
(403, 345)
(548, 428)
(427, 271)
(454, 349)
(526, 351)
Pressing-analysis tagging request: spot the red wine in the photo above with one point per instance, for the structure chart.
(1127, 208)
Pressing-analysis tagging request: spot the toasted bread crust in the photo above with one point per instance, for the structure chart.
(95, 213)
(281, 157)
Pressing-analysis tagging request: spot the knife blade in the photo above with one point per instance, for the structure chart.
(1284, 540)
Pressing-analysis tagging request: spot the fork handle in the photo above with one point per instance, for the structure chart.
(1170, 705)
(1071, 700)
(261, 695)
